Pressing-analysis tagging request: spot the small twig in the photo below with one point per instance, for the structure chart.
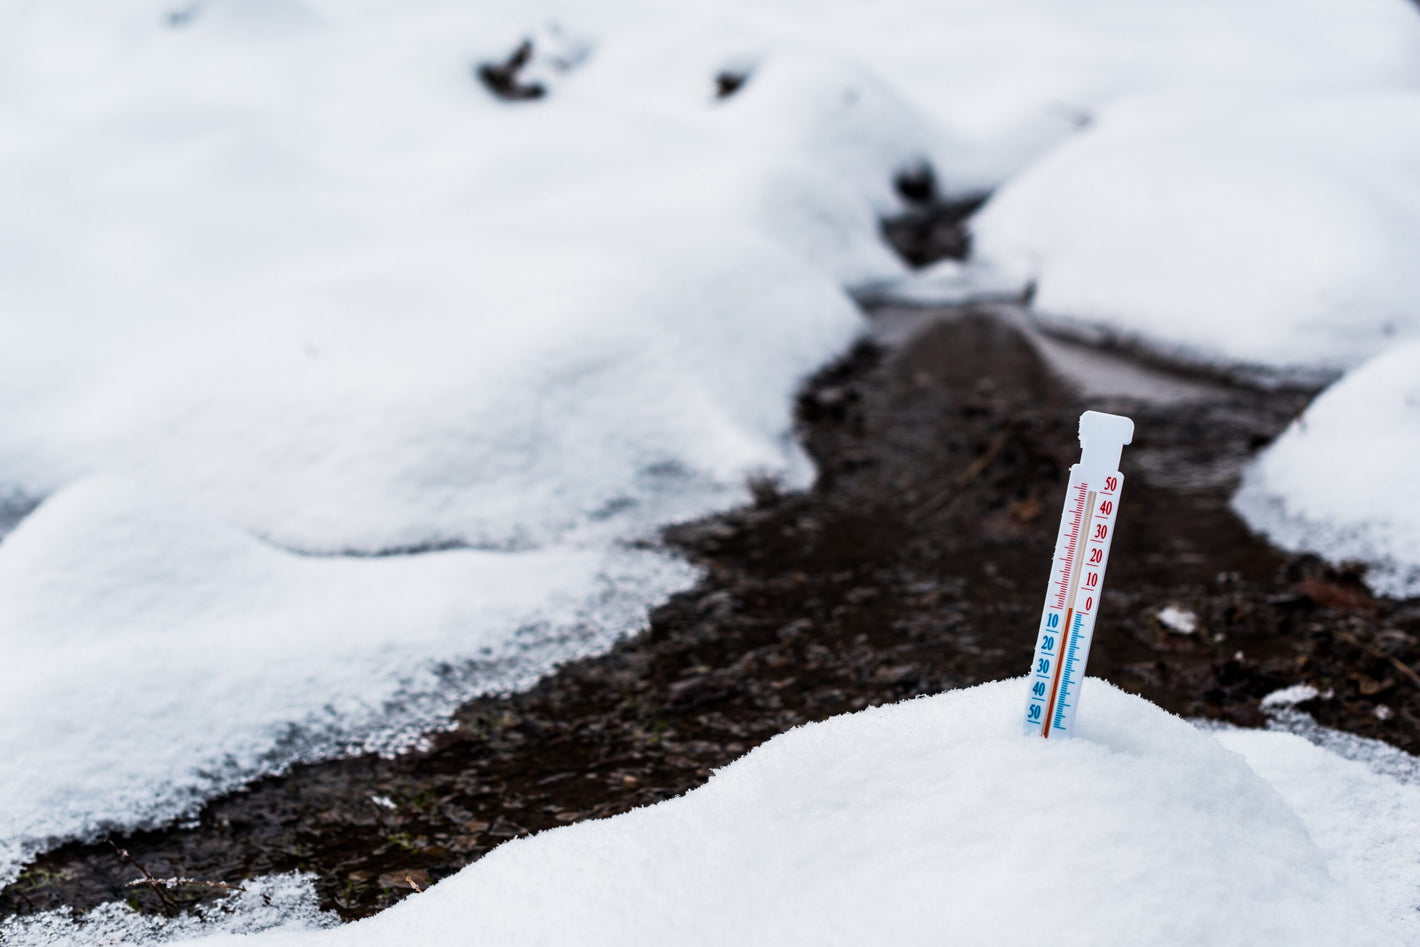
(981, 463)
(502, 79)
(30, 904)
(414, 884)
(180, 882)
(1399, 665)
(975, 469)
(169, 908)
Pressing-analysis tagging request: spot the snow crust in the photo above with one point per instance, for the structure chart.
(284, 901)
(1341, 480)
(935, 819)
(156, 657)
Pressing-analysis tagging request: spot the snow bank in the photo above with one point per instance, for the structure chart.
(936, 820)
(155, 657)
(1270, 233)
(446, 321)
(1340, 481)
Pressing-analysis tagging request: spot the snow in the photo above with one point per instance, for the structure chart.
(1274, 233)
(335, 391)
(287, 285)
(156, 657)
(1362, 821)
(935, 819)
(944, 283)
(1009, 79)
(285, 901)
(1340, 481)
(1289, 696)
(1178, 620)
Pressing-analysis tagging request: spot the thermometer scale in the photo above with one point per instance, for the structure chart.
(1077, 578)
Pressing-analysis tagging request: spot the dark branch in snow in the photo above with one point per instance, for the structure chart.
(728, 82)
(148, 880)
(503, 81)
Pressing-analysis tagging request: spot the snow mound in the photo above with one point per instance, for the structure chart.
(1359, 811)
(155, 657)
(1340, 481)
(936, 820)
(1268, 233)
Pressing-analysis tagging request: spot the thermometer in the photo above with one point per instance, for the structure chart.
(1077, 576)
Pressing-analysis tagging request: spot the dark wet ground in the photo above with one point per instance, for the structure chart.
(917, 564)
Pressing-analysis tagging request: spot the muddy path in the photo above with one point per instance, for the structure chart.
(917, 564)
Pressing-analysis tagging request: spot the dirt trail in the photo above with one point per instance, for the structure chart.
(918, 563)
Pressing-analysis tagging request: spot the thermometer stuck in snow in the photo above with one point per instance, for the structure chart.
(1077, 575)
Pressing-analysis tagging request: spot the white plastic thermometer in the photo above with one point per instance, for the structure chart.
(1073, 597)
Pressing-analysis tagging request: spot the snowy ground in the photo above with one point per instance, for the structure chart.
(340, 387)
(934, 820)
(1341, 480)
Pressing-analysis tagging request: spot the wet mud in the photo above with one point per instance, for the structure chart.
(918, 563)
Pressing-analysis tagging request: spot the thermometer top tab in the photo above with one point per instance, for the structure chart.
(1102, 440)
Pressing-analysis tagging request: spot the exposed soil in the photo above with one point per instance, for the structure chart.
(918, 563)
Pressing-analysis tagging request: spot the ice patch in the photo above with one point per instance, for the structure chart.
(1341, 480)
